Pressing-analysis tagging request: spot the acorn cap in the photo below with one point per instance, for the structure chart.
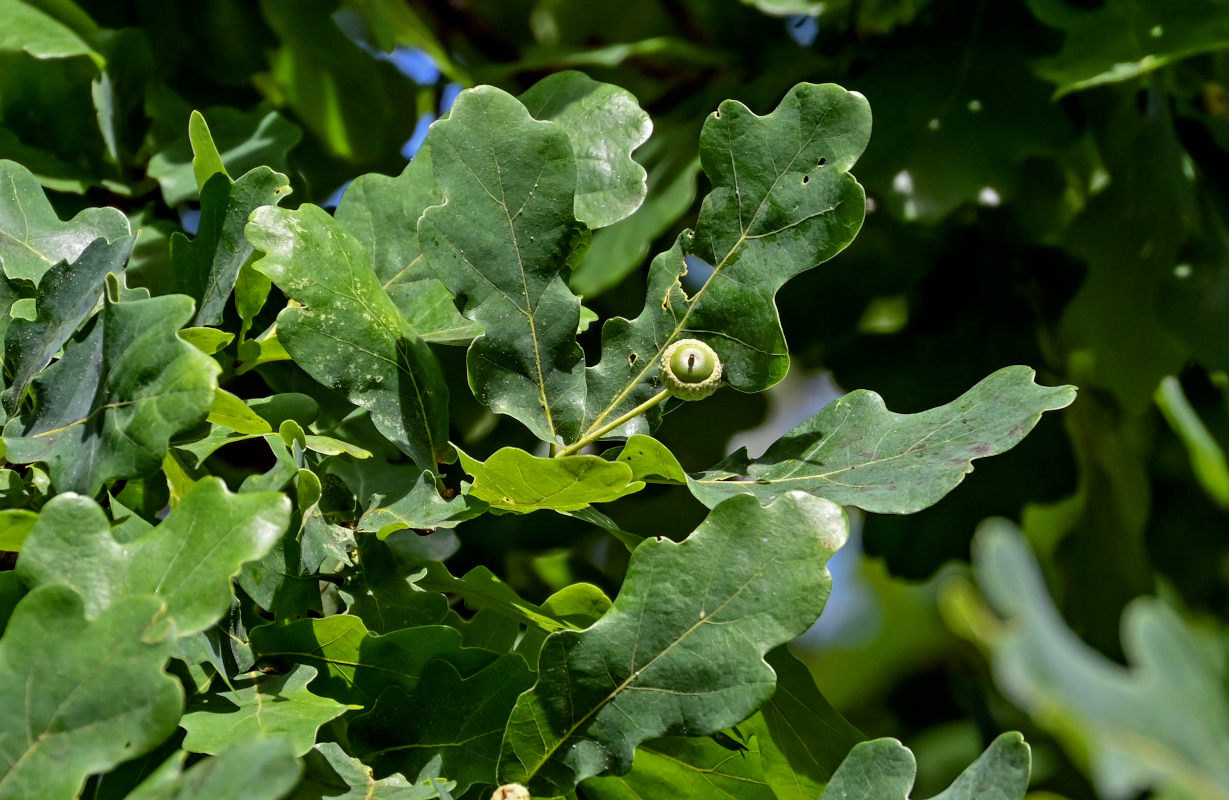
(691, 369)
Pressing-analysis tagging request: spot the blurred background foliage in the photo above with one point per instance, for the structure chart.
(1047, 184)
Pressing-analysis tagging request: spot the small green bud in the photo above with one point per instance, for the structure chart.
(691, 369)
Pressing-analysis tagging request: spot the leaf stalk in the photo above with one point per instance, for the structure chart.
(610, 426)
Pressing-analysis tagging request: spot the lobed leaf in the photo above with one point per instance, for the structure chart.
(206, 160)
(620, 250)
(61, 716)
(259, 706)
(419, 508)
(604, 124)
(459, 720)
(206, 268)
(379, 589)
(856, 452)
(1161, 721)
(802, 738)
(32, 237)
(188, 560)
(67, 295)
(884, 769)
(501, 243)
(261, 769)
(783, 202)
(125, 384)
(516, 481)
(651, 460)
(483, 590)
(382, 213)
(357, 666)
(15, 525)
(347, 334)
(245, 141)
(681, 651)
(679, 767)
(334, 775)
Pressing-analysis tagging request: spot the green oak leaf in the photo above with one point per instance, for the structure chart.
(207, 340)
(681, 767)
(651, 460)
(502, 243)
(67, 295)
(79, 696)
(516, 481)
(802, 738)
(1161, 722)
(245, 141)
(379, 589)
(382, 213)
(783, 202)
(206, 267)
(206, 160)
(577, 605)
(681, 651)
(333, 775)
(605, 124)
(188, 560)
(259, 706)
(459, 719)
(15, 525)
(884, 769)
(856, 452)
(1120, 40)
(27, 28)
(224, 647)
(260, 769)
(357, 666)
(32, 237)
(620, 250)
(347, 334)
(231, 412)
(125, 384)
(483, 590)
(420, 508)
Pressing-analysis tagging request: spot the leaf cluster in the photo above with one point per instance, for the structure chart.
(379, 492)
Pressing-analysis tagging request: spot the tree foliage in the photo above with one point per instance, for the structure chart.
(361, 476)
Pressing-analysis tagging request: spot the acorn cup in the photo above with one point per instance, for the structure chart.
(690, 369)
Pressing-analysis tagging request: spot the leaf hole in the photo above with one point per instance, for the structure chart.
(631, 359)
(806, 179)
(821, 162)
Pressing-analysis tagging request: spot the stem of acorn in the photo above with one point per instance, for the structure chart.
(610, 426)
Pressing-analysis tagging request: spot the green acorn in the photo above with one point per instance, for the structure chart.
(691, 369)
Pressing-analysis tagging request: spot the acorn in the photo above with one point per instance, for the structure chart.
(690, 369)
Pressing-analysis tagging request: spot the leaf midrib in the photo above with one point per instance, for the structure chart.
(652, 363)
(706, 618)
